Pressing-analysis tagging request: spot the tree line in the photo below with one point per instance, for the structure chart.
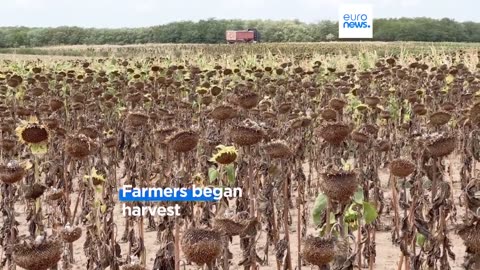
(212, 31)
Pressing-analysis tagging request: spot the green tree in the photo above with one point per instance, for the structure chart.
(213, 31)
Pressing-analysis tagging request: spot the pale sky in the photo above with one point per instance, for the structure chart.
(139, 13)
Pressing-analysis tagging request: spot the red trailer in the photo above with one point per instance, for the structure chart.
(243, 36)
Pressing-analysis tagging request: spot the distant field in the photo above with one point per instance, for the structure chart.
(177, 50)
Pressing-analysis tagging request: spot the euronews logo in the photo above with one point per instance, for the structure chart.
(355, 21)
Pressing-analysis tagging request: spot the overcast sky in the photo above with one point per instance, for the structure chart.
(138, 13)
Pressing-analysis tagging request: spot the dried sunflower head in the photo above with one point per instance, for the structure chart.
(108, 133)
(278, 149)
(202, 91)
(97, 177)
(32, 132)
(79, 146)
(183, 141)
(225, 155)
(13, 171)
(361, 107)
(199, 180)
(110, 139)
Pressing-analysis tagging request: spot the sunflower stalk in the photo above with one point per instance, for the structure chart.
(299, 223)
(251, 196)
(286, 208)
(38, 201)
(396, 217)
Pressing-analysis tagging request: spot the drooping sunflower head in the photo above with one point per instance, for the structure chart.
(108, 133)
(199, 180)
(202, 91)
(97, 176)
(32, 132)
(225, 155)
(361, 107)
(110, 139)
